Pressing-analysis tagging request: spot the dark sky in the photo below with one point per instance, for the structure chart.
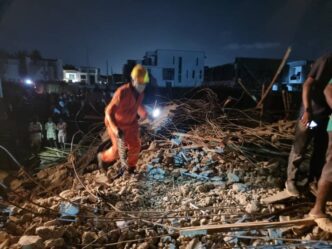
(117, 30)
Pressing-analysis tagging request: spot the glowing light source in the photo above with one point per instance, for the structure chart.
(28, 81)
(156, 112)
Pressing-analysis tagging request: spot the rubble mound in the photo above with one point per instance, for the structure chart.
(203, 171)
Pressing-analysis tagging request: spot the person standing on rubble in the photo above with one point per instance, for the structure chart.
(62, 132)
(325, 182)
(311, 126)
(50, 129)
(35, 130)
(121, 119)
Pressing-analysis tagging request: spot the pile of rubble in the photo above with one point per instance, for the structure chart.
(197, 169)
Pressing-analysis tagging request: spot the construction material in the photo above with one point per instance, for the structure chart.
(268, 89)
(205, 169)
(210, 229)
(280, 196)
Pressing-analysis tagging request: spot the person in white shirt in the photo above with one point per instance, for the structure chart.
(62, 132)
(50, 128)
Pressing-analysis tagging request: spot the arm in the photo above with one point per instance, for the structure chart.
(307, 85)
(142, 112)
(110, 112)
(316, 73)
(328, 94)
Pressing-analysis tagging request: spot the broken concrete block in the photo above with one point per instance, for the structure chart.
(232, 178)
(31, 242)
(239, 187)
(252, 207)
(54, 243)
(88, 237)
(50, 232)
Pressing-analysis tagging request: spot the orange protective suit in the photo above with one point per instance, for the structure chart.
(124, 109)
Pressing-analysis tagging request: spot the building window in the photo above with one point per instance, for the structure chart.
(71, 76)
(295, 73)
(200, 74)
(187, 74)
(197, 61)
(193, 74)
(168, 73)
(180, 70)
(83, 77)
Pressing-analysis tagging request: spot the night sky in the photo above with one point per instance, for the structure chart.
(82, 32)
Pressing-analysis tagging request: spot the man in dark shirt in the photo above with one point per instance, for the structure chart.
(311, 125)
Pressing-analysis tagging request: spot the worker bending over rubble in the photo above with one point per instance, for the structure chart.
(311, 126)
(121, 119)
(325, 182)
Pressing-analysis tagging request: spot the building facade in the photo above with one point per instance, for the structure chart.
(26, 68)
(85, 75)
(172, 68)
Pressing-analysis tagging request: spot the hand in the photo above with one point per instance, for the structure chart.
(305, 118)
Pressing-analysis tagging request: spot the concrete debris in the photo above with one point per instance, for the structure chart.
(33, 242)
(50, 232)
(216, 173)
(68, 209)
(155, 173)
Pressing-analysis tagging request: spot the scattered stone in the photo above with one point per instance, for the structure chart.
(194, 244)
(232, 178)
(33, 242)
(50, 232)
(239, 187)
(204, 222)
(13, 229)
(144, 245)
(252, 207)
(88, 237)
(54, 243)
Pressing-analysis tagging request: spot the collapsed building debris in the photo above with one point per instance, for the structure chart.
(204, 173)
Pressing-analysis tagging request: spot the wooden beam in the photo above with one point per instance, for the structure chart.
(210, 229)
(239, 81)
(281, 66)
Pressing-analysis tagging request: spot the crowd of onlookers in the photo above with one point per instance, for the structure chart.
(50, 119)
(55, 134)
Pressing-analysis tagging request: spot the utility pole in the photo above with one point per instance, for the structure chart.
(113, 83)
(1, 93)
(107, 72)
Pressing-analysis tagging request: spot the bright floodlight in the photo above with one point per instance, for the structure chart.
(156, 112)
(28, 81)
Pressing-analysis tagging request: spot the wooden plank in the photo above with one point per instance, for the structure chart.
(210, 229)
(282, 195)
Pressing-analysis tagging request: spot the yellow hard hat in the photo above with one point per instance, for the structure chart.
(140, 72)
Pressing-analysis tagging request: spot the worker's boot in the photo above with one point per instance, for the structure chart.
(292, 188)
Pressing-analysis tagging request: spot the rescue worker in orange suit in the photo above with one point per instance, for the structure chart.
(121, 119)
